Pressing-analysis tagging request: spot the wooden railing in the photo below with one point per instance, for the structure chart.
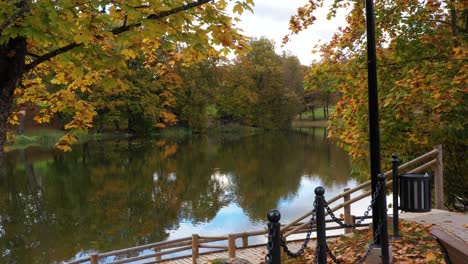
(190, 246)
(432, 159)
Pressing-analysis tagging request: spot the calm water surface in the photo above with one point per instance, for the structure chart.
(109, 195)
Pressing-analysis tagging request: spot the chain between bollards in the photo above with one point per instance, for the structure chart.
(301, 251)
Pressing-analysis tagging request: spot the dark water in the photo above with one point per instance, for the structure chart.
(115, 194)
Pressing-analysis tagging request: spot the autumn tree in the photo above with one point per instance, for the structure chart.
(321, 87)
(80, 45)
(197, 92)
(422, 70)
(256, 92)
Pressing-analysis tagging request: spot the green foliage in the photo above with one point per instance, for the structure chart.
(77, 57)
(316, 113)
(197, 93)
(421, 50)
(254, 90)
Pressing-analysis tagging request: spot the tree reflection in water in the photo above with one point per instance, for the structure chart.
(117, 194)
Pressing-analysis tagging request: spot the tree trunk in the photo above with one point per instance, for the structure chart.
(117, 125)
(21, 124)
(61, 122)
(453, 18)
(12, 61)
(327, 115)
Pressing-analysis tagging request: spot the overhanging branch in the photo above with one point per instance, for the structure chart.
(50, 55)
(15, 16)
(163, 14)
(115, 31)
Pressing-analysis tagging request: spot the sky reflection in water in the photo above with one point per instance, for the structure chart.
(116, 194)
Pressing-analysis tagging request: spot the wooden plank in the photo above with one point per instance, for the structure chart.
(255, 254)
(456, 249)
(439, 180)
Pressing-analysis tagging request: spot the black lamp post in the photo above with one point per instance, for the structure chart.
(373, 108)
(374, 119)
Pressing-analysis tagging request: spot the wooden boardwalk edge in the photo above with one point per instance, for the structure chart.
(254, 254)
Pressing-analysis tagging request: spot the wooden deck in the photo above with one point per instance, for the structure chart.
(254, 254)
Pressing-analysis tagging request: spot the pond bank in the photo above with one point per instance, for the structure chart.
(309, 123)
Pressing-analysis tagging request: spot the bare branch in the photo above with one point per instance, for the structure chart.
(115, 31)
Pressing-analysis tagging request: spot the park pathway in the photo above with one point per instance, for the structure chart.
(452, 222)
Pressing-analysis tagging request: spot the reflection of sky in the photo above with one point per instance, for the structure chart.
(233, 219)
(229, 219)
(2, 232)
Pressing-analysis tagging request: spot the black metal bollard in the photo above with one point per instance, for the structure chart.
(383, 219)
(395, 164)
(320, 218)
(273, 246)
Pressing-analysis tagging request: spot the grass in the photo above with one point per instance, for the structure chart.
(42, 137)
(46, 138)
(318, 112)
(309, 123)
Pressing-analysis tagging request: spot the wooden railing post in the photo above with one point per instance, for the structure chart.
(195, 248)
(232, 246)
(439, 180)
(347, 212)
(395, 204)
(94, 259)
(157, 250)
(245, 241)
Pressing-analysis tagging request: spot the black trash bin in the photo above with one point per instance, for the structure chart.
(415, 192)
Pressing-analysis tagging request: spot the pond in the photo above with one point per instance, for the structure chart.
(107, 195)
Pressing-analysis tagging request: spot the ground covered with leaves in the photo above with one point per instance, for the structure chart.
(415, 246)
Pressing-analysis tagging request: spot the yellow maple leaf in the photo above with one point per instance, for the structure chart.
(129, 54)
(430, 257)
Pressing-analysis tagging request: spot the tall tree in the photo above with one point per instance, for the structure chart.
(257, 89)
(422, 51)
(199, 83)
(82, 43)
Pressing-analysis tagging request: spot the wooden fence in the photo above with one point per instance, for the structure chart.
(190, 246)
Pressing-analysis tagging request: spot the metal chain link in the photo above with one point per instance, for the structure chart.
(336, 219)
(307, 239)
(375, 195)
(271, 234)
